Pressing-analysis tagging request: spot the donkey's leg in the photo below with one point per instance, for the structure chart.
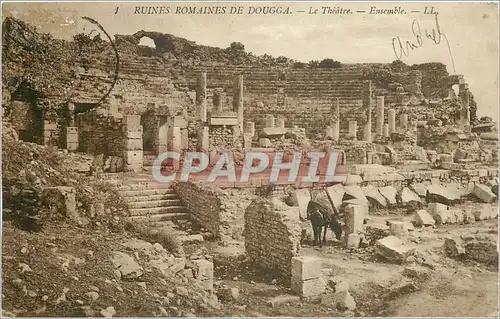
(324, 234)
(315, 235)
(320, 228)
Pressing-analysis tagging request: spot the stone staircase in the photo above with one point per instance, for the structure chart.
(150, 201)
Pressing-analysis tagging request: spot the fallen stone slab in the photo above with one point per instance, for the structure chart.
(282, 299)
(126, 265)
(484, 211)
(454, 247)
(423, 218)
(355, 192)
(353, 180)
(416, 272)
(400, 289)
(393, 249)
(410, 198)
(374, 197)
(455, 216)
(439, 194)
(494, 189)
(439, 212)
(228, 294)
(419, 188)
(340, 300)
(389, 193)
(483, 193)
(336, 193)
(398, 229)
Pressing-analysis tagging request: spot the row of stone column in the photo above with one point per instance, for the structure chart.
(382, 129)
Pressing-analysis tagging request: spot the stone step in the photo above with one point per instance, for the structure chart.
(145, 198)
(159, 217)
(138, 185)
(155, 204)
(157, 210)
(146, 192)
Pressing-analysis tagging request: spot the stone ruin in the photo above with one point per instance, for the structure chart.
(410, 144)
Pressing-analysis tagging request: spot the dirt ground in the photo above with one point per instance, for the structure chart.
(450, 287)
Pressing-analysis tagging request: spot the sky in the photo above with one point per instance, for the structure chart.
(470, 28)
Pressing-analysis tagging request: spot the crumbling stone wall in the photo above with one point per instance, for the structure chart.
(272, 234)
(99, 133)
(219, 211)
(221, 136)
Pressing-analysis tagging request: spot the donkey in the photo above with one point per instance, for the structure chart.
(321, 216)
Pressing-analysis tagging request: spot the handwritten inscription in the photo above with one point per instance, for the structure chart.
(435, 35)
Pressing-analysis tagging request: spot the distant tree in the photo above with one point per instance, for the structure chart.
(314, 64)
(237, 46)
(399, 66)
(330, 64)
(281, 59)
(299, 65)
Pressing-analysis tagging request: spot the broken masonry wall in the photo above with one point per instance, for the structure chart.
(219, 211)
(99, 133)
(272, 234)
(221, 137)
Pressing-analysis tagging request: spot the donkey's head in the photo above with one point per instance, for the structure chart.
(337, 228)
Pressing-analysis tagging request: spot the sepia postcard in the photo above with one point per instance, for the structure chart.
(250, 159)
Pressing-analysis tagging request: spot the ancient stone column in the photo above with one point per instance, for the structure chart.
(250, 128)
(238, 99)
(464, 94)
(71, 114)
(201, 96)
(391, 118)
(335, 120)
(280, 123)
(218, 101)
(353, 128)
(386, 130)
(380, 115)
(403, 121)
(367, 107)
(270, 120)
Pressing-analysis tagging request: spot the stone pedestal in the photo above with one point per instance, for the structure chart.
(386, 130)
(403, 121)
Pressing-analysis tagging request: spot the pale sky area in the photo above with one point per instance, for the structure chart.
(471, 29)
